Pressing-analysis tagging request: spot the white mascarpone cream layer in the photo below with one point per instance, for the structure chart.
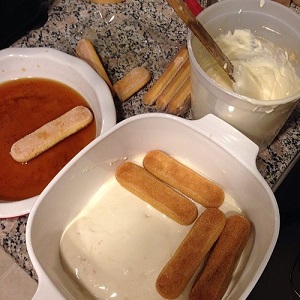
(118, 244)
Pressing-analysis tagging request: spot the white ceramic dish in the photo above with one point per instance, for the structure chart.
(217, 149)
(50, 63)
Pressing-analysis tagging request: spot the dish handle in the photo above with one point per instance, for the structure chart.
(229, 138)
(46, 290)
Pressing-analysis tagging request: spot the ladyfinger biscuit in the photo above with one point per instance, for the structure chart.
(86, 51)
(181, 101)
(284, 2)
(50, 134)
(173, 86)
(175, 276)
(173, 67)
(214, 278)
(183, 179)
(150, 189)
(132, 83)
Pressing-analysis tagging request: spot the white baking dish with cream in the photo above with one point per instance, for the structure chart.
(208, 145)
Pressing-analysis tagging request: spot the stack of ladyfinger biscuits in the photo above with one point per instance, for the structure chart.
(214, 241)
(170, 93)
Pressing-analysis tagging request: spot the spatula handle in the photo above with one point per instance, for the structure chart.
(201, 33)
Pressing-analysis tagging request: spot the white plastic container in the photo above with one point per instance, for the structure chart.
(260, 120)
(222, 154)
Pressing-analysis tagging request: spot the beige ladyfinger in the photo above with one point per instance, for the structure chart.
(181, 101)
(188, 257)
(284, 2)
(216, 275)
(86, 51)
(160, 84)
(183, 179)
(50, 134)
(148, 188)
(173, 86)
(132, 82)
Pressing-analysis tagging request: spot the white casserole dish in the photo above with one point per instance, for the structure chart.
(217, 149)
(52, 64)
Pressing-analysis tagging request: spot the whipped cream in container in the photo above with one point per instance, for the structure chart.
(257, 39)
(262, 71)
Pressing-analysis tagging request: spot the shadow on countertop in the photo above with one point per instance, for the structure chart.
(18, 17)
(281, 278)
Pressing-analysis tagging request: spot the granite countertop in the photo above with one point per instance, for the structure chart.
(126, 35)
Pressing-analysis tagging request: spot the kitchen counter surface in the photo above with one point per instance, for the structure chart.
(126, 35)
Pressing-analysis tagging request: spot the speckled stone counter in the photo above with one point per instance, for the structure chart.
(133, 33)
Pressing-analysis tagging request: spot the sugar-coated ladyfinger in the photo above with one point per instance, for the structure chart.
(174, 86)
(214, 278)
(183, 179)
(181, 101)
(150, 189)
(50, 134)
(86, 51)
(175, 276)
(132, 82)
(169, 73)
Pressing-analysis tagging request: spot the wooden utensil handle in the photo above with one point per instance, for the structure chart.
(201, 33)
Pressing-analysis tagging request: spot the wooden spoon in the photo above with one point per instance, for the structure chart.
(204, 37)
